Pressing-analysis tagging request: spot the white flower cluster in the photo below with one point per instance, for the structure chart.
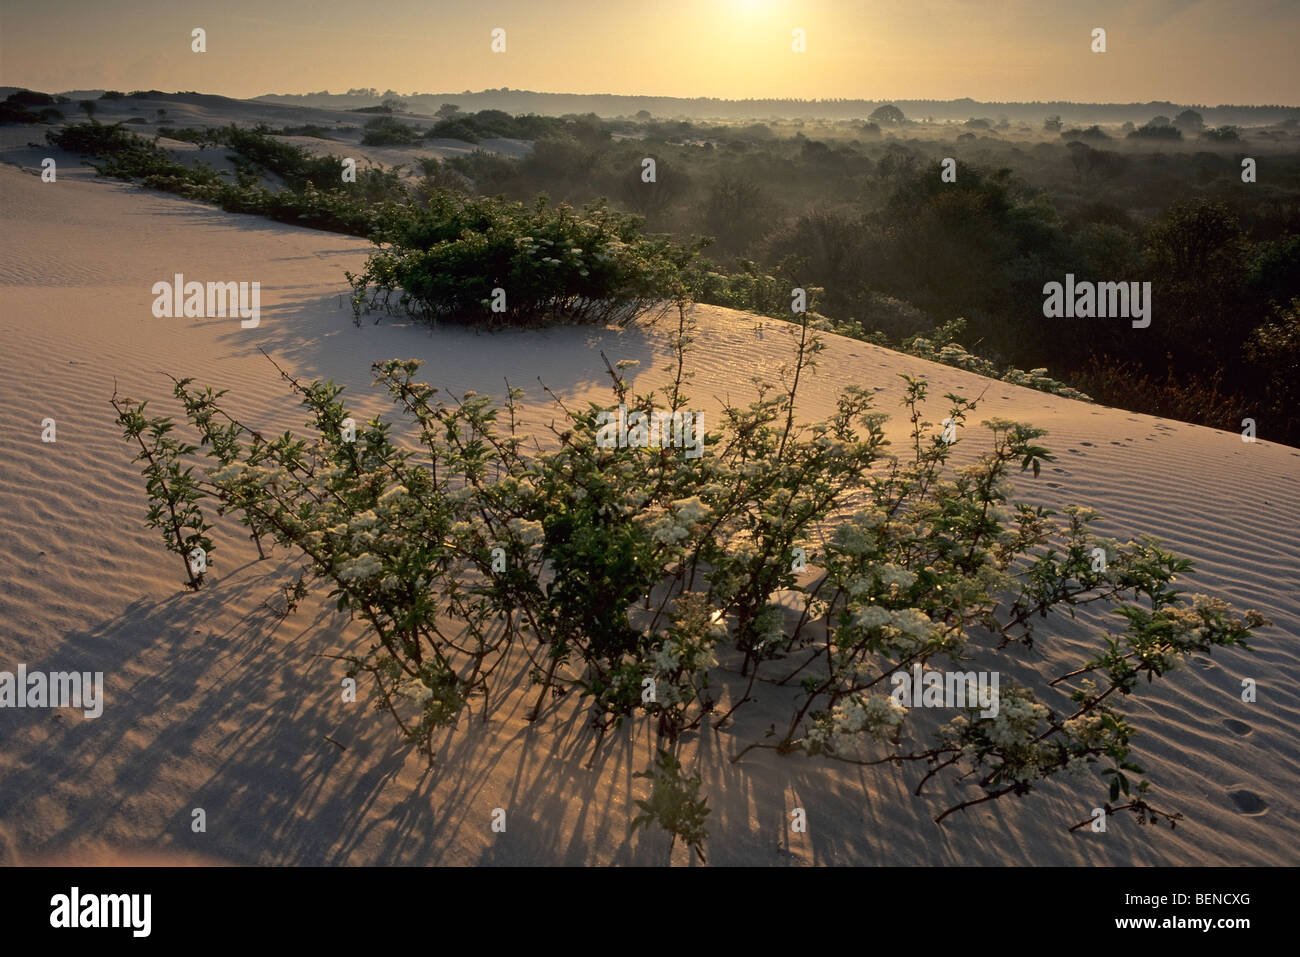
(1002, 514)
(1084, 730)
(1014, 730)
(874, 715)
(674, 526)
(912, 622)
(393, 495)
(527, 531)
(668, 657)
(891, 575)
(955, 730)
(361, 568)
(872, 616)
(668, 693)
(1077, 767)
(665, 529)
(675, 653)
(242, 471)
(856, 585)
(228, 473)
(1192, 617)
(857, 536)
(414, 689)
(1016, 723)
(690, 510)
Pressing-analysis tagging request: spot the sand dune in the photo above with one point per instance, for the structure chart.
(214, 703)
(343, 127)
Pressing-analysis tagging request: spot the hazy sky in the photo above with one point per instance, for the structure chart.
(1186, 51)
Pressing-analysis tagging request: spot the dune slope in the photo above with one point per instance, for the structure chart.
(215, 703)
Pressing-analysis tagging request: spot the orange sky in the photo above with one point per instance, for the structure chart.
(1187, 51)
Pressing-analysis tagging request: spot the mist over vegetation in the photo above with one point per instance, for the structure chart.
(858, 210)
(705, 107)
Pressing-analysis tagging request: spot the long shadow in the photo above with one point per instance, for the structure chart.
(315, 337)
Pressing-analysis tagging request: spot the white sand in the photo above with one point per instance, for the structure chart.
(212, 703)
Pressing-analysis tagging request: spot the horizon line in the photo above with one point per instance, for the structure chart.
(710, 99)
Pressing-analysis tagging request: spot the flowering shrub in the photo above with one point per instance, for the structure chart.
(455, 256)
(651, 583)
(750, 289)
(942, 348)
(173, 491)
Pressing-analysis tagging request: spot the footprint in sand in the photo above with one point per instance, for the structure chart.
(1053, 484)
(1237, 727)
(1205, 664)
(1074, 451)
(1247, 801)
(1061, 471)
(1089, 444)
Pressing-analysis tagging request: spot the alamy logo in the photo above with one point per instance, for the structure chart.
(951, 689)
(193, 300)
(102, 910)
(640, 430)
(58, 689)
(1086, 300)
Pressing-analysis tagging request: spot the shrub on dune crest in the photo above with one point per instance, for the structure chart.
(313, 194)
(500, 263)
(646, 580)
(386, 131)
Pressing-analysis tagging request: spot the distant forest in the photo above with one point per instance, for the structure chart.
(859, 212)
(609, 105)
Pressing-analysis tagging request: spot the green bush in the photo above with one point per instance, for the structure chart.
(122, 154)
(1222, 134)
(455, 128)
(353, 209)
(752, 290)
(674, 804)
(386, 131)
(488, 172)
(447, 259)
(942, 346)
(1156, 132)
(1198, 398)
(17, 114)
(629, 574)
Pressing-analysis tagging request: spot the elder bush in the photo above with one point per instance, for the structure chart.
(805, 557)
